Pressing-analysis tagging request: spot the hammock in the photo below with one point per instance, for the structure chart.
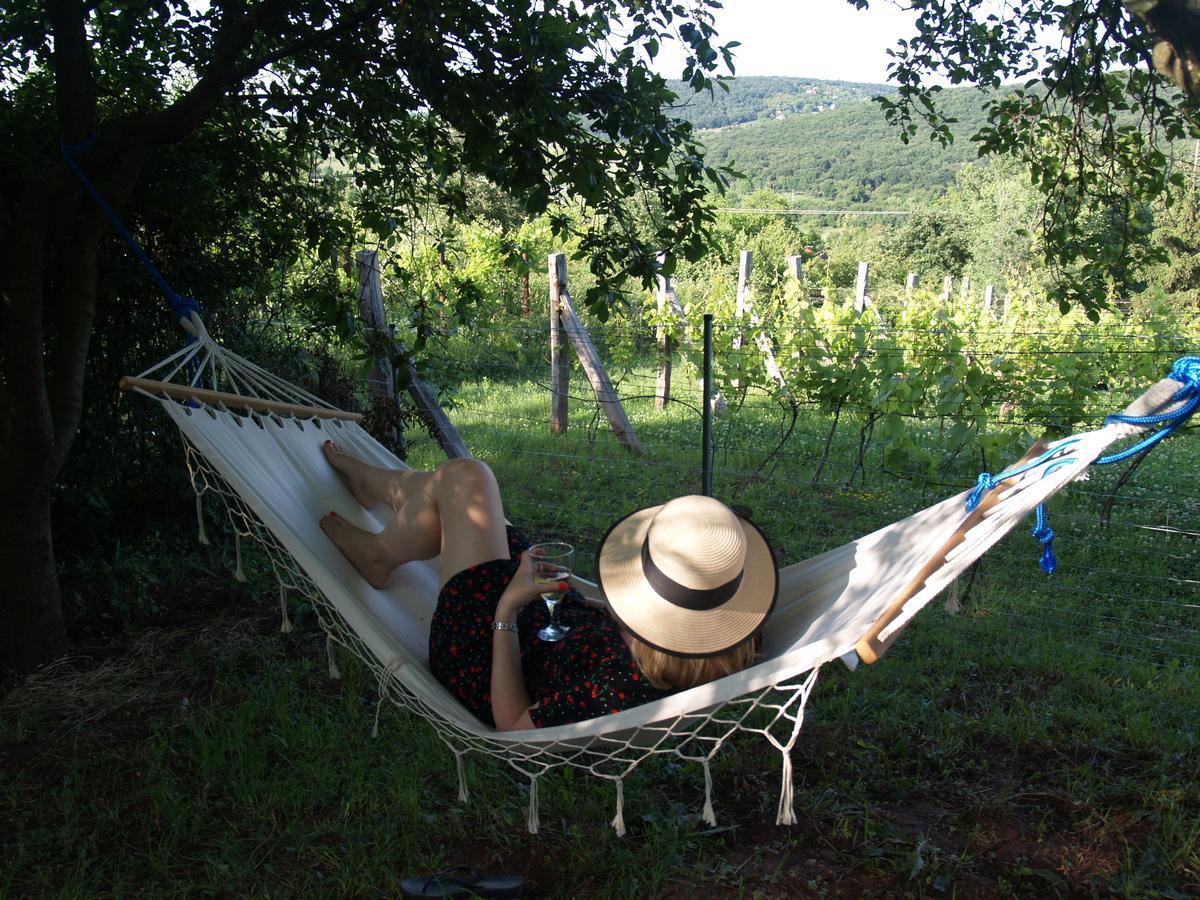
(257, 446)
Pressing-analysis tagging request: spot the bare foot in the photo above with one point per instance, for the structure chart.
(361, 547)
(352, 472)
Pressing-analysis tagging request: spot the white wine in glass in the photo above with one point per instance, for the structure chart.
(551, 566)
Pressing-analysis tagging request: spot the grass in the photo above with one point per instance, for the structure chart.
(1041, 742)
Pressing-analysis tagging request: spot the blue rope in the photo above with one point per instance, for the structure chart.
(181, 307)
(1186, 370)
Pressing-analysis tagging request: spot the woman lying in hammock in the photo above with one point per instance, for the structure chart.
(688, 586)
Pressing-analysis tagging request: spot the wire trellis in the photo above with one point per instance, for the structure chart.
(1129, 552)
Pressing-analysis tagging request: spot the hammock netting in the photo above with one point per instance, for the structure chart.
(268, 475)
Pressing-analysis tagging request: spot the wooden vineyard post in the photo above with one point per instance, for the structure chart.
(947, 289)
(666, 344)
(581, 341)
(525, 285)
(370, 310)
(965, 293)
(560, 362)
(745, 269)
(380, 381)
(989, 297)
(745, 309)
(911, 283)
(795, 267)
(370, 295)
(860, 287)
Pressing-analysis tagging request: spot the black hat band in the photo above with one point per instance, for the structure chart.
(677, 594)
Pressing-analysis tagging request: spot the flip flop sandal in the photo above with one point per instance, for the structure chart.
(460, 881)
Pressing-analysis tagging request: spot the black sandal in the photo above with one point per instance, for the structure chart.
(460, 881)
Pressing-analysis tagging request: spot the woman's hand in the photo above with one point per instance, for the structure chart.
(521, 590)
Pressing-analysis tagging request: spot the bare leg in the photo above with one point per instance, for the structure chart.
(370, 484)
(454, 513)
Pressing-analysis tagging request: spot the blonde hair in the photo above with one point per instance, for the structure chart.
(669, 672)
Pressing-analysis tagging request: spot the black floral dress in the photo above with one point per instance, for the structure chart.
(589, 673)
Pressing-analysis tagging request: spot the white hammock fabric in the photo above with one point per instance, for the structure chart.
(275, 485)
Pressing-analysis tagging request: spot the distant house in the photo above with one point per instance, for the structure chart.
(780, 115)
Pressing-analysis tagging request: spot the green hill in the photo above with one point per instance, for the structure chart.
(848, 155)
(762, 98)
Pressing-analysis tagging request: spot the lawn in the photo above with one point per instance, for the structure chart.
(1041, 741)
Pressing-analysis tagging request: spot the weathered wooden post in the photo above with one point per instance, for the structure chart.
(947, 288)
(795, 267)
(745, 269)
(965, 293)
(370, 300)
(525, 285)
(380, 381)
(989, 295)
(560, 362)
(581, 341)
(666, 345)
(745, 310)
(911, 283)
(860, 287)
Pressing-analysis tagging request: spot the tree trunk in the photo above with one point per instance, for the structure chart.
(30, 604)
(48, 276)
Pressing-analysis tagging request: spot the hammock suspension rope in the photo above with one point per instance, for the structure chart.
(1185, 370)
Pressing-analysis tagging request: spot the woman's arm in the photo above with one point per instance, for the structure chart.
(510, 700)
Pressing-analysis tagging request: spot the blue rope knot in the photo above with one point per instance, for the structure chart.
(182, 307)
(984, 484)
(1044, 535)
(1187, 371)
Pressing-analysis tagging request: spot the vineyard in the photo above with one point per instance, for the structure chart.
(859, 419)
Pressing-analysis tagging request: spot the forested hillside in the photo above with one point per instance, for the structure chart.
(848, 155)
(768, 97)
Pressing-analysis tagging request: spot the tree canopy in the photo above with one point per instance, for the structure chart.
(553, 103)
(1104, 83)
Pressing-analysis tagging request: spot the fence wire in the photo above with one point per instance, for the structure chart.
(817, 473)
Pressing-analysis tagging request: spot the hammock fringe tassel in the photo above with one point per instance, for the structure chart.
(787, 810)
(531, 822)
(334, 673)
(463, 794)
(710, 818)
(618, 822)
(202, 536)
(285, 624)
(239, 574)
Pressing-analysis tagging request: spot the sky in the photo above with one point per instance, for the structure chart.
(827, 39)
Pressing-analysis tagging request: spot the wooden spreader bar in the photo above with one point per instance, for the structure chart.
(187, 392)
(870, 647)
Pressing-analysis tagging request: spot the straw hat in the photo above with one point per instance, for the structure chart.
(688, 577)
